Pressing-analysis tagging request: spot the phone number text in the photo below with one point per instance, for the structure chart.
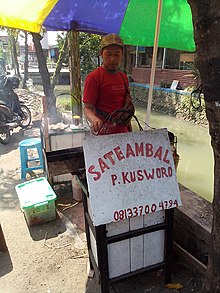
(144, 210)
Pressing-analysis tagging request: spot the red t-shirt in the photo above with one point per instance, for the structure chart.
(106, 91)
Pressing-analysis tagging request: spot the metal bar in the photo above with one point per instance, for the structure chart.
(135, 233)
(137, 272)
(102, 254)
(90, 223)
(85, 207)
(164, 58)
(93, 264)
(136, 57)
(169, 215)
(83, 185)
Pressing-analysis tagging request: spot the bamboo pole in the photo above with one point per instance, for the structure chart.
(75, 74)
(154, 60)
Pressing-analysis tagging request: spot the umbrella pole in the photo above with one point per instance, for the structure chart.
(154, 59)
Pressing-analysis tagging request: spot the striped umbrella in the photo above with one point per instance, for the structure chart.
(133, 20)
(153, 23)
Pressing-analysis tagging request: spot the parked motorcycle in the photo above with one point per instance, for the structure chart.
(13, 113)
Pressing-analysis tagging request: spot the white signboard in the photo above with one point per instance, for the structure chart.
(130, 175)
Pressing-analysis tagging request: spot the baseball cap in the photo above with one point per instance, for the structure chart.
(111, 39)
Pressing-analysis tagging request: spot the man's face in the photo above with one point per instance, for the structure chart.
(112, 56)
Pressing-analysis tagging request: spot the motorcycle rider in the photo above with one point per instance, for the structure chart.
(9, 97)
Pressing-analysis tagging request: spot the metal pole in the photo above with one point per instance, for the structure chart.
(154, 59)
(164, 58)
(136, 57)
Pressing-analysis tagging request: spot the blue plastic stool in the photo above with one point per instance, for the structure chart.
(24, 146)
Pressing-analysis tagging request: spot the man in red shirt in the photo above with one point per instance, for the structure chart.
(105, 89)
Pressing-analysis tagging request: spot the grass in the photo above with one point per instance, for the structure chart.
(63, 102)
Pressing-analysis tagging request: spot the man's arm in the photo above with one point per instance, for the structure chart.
(96, 123)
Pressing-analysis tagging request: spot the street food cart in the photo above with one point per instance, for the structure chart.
(65, 155)
(62, 150)
(130, 192)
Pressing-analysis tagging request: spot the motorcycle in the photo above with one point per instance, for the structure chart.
(13, 113)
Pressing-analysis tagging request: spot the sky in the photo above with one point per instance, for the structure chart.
(51, 37)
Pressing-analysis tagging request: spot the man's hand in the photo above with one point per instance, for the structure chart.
(96, 123)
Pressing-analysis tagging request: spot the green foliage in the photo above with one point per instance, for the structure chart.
(5, 51)
(60, 40)
(89, 47)
(63, 103)
(1, 50)
(194, 73)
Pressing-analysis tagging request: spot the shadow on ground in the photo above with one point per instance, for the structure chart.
(6, 263)
(8, 196)
(68, 219)
(47, 230)
(16, 137)
(152, 282)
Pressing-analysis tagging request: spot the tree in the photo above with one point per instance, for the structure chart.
(48, 89)
(206, 22)
(60, 61)
(13, 50)
(24, 85)
(89, 49)
(13, 38)
(61, 39)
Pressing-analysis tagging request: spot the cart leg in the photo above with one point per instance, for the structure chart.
(102, 258)
(169, 244)
(85, 207)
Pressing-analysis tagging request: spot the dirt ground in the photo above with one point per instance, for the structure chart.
(52, 257)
